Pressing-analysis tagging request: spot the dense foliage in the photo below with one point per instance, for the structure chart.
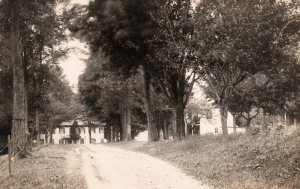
(33, 87)
(223, 44)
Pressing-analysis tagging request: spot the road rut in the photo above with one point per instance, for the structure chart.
(112, 168)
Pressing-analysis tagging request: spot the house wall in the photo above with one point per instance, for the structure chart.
(97, 135)
(214, 126)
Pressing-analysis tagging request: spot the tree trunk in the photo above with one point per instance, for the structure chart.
(151, 127)
(18, 132)
(158, 123)
(173, 124)
(113, 134)
(165, 129)
(224, 116)
(126, 119)
(46, 137)
(234, 123)
(248, 125)
(26, 80)
(179, 104)
(51, 133)
(90, 130)
(126, 123)
(37, 88)
(26, 106)
(119, 127)
(107, 133)
(37, 126)
(179, 112)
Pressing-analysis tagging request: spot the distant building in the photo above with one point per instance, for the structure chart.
(209, 115)
(212, 124)
(209, 122)
(89, 134)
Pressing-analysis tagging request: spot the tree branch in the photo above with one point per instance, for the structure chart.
(188, 94)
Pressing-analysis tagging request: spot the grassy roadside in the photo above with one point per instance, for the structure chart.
(46, 168)
(237, 161)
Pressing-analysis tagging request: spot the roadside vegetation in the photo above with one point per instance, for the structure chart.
(237, 161)
(46, 168)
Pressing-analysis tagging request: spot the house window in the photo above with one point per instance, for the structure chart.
(216, 130)
(93, 141)
(209, 114)
(81, 130)
(61, 130)
(100, 130)
(94, 130)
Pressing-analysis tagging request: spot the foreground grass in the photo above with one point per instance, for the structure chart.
(235, 162)
(48, 167)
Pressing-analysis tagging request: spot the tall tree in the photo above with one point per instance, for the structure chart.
(39, 32)
(120, 30)
(42, 36)
(171, 55)
(110, 99)
(19, 125)
(237, 39)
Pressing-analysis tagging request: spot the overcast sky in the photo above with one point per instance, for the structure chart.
(74, 65)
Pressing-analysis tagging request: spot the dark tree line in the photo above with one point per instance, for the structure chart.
(146, 57)
(171, 44)
(34, 91)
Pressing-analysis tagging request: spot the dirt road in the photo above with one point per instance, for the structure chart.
(112, 168)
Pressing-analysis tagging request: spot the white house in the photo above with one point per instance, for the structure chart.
(213, 125)
(89, 134)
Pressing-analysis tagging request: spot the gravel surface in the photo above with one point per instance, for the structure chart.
(111, 168)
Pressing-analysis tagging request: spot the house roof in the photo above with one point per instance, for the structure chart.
(80, 123)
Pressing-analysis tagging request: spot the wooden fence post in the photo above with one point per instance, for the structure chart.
(9, 156)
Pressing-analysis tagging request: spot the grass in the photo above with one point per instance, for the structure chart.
(46, 168)
(236, 161)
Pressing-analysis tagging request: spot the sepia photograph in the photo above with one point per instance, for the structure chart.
(149, 94)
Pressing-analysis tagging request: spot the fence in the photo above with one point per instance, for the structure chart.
(5, 163)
